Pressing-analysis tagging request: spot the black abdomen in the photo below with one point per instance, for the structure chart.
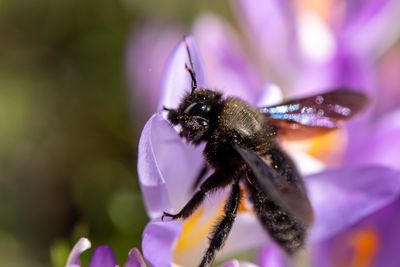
(282, 227)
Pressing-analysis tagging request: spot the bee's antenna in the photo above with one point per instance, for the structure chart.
(190, 68)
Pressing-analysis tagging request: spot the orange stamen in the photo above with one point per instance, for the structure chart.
(365, 244)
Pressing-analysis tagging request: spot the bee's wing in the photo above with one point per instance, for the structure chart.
(289, 195)
(316, 113)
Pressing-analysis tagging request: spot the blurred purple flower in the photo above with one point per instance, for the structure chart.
(314, 45)
(370, 242)
(167, 168)
(103, 256)
(285, 47)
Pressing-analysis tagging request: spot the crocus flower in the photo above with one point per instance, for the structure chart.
(103, 256)
(167, 168)
(315, 45)
(361, 35)
(288, 53)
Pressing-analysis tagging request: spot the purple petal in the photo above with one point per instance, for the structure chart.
(166, 167)
(270, 95)
(176, 80)
(270, 26)
(74, 256)
(103, 256)
(135, 259)
(342, 197)
(374, 241)
(388, 78)
(367, 24)
(344, 69)
(273, 256)
(158, 241)
(236, 263)
(227, 66)
(255, 235)
(147, 52)
(378, 144)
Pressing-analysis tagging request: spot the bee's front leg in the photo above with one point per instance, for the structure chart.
(216, 180)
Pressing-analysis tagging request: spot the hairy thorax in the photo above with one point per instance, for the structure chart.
(238, 123)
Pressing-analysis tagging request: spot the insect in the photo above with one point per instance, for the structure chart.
(242, 149)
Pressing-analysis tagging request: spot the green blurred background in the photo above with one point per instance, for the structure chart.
(67, 136)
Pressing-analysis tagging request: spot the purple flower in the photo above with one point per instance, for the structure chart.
(103, 256)
(167, 168)
(329, 44)
(372, 241)
(285, 51)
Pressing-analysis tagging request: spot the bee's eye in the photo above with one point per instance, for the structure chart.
(197, 109)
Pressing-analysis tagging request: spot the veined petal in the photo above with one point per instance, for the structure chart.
(103, 256)
(342, 197)
(228, 69)
(135, 259)
(74, 257)
(176, 80)
(166, 167)
(158, 242)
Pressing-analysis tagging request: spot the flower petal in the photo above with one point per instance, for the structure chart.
(236, 263)
(378, 144)
(103, 256)
(270, 95)
(176, 80)
(166, 167)
(372, 242)
(388, 81)
(74, 257)
(345, 69)
(342, 197)
(367, 23)
(135, 259)
(273, 256)
(227, 67)
(255, 235)
(270, 26)
(158, 241)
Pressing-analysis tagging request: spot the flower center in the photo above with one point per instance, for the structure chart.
(365, 244)
(193, 239)
(328, 147)
(356, 249)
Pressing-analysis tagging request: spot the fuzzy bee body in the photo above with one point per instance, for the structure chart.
(242, 149)
(239, 123)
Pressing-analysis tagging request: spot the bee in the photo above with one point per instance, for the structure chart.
(241, 147)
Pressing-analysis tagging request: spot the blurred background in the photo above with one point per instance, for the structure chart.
(69, 125)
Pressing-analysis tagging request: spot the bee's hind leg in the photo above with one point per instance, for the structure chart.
(224, 226)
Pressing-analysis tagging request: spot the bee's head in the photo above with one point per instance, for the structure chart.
(196, 114)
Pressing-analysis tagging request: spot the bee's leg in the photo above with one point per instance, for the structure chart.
(199, 177)
(216, 180)
(224, 226)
